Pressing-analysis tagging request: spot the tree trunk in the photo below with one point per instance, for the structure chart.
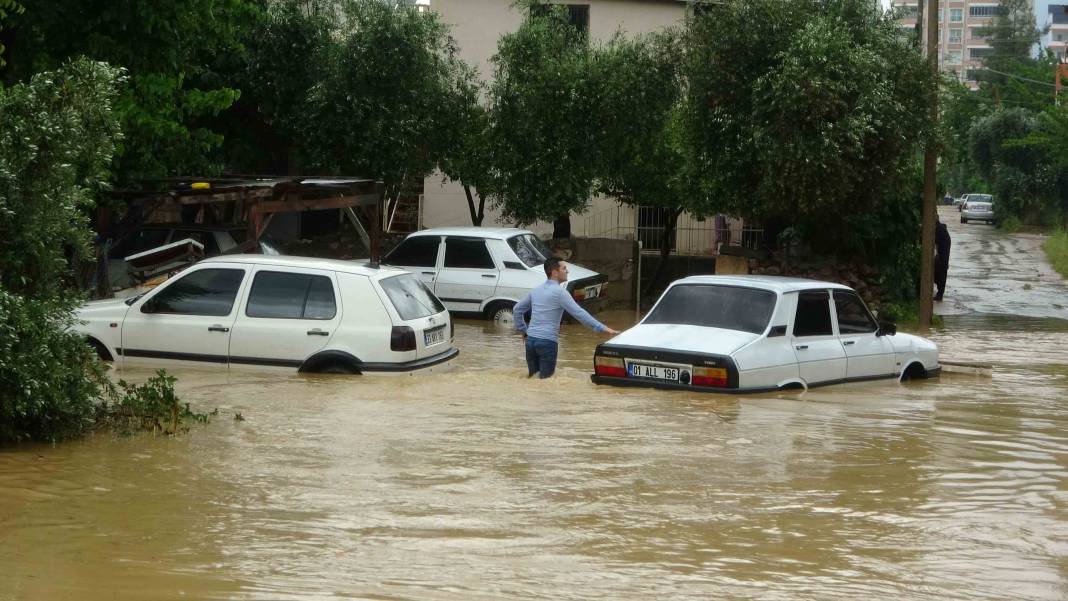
(562, 226)
(476, 215)
(670, 226)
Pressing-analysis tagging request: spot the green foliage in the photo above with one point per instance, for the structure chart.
(816, 125)
(639, 156)
(8, 7)
(57, 139)
(540, 125)
(1056, 247)
(818, 130)
(379, 109)
(153, 406)
(169, 50)
(49, 377)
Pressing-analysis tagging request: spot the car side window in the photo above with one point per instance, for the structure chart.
(467, 253)
(419, 251)
(280, 295)
(202, 292)
(813, 317)
(853, 317)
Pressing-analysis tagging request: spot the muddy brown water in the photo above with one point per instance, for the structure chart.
(481, 484)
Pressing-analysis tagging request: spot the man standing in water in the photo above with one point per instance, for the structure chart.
(547, 304)
(941, 266)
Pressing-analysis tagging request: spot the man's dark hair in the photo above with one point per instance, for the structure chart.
(551, 265)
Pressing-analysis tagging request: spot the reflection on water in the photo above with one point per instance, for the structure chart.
(481, 484)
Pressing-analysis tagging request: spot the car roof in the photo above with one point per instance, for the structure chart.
(496, 233)
(774, 283)
(307, 263)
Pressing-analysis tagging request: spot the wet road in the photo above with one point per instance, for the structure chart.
(994, 272)
(481, 484)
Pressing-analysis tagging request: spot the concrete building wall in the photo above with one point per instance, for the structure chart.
(477, 25)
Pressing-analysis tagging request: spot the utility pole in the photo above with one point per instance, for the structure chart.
(930, 169)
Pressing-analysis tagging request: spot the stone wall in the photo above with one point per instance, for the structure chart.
(613, 258)
(862, 278)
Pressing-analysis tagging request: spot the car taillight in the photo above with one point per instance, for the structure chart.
(710, 376)
(579, 295)
(609, 366)
(402, 338)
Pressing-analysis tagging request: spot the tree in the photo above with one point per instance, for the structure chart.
(1024, 179)
(540, 124)
(378, 109)
(169, 49)
(640, 158)
(58, 134)
(819, 129)
(286, 52)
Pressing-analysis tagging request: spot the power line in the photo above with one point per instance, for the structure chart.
(1041, 83)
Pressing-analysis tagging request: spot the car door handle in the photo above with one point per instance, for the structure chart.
(218, 328)
(428, 273)
(801, 347)
(849, 342)
(486, 275)
(317, 332)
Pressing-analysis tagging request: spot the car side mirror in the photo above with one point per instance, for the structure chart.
(886, 329)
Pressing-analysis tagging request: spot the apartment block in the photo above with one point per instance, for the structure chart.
(961, 48)
(1056, 39)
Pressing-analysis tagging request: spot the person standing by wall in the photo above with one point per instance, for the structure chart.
(941, 266)
(547, 304)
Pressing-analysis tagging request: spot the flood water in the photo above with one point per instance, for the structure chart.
(481, 484)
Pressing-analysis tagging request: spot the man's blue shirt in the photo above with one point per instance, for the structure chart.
(547, 304)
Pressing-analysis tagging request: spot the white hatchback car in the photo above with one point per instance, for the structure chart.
(759, 333)
(486, 270)
(313, 315)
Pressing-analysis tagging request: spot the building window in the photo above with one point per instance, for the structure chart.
(972, 75)
(955, 36)
(956, 15)
(979, 53)
(953, 57)
(984, 11)
(977, 33)
(578, 15)
(1058, 37)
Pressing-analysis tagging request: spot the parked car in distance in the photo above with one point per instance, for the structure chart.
(487, 271)
(759, 333)
(312, 315)
(978, 207)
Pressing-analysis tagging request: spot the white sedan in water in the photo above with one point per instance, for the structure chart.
(760, 333)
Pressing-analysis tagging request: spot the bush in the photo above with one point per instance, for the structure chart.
(49, 377)
(152, 406)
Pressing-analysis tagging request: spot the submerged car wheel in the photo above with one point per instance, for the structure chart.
(500, 313)
(101, 350)
(963, 220)
(337, 368)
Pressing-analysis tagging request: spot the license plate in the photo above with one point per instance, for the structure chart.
(434, 336)
(592, 291)
(656, 372)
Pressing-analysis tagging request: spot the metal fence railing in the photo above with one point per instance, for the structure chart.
(692, 236)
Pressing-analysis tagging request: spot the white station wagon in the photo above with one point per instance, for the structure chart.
(759, 333)
(486, 270)
(314, 315)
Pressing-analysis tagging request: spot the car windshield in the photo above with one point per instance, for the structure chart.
(727, 307)
(530, 250)
(411, 297)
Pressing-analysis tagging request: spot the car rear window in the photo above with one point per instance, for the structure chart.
(715, 306)
(411, 297)
(530, 250)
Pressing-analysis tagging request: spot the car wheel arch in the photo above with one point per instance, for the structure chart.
(495, 305)
(102, 350)
(914, 370)
(324, 360)
(793, 384)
